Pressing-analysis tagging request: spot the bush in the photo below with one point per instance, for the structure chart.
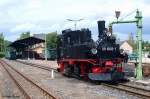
(2, 54)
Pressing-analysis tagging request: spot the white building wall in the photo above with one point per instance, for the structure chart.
(126, 47)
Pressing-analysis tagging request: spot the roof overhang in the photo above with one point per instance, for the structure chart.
(22, 43)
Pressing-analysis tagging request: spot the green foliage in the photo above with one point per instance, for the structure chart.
(145, 46)
(24, 35)
(131, 39)
(2, 45)
(7, 43)
(2, 54)
(1, 42)
(51, 40)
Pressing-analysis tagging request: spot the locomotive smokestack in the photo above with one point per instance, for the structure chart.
(101, 27)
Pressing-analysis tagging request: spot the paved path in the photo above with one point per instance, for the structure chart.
(52, 64)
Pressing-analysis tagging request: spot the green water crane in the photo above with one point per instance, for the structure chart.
(138, 21)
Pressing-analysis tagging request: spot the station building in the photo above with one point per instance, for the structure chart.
(29, 48)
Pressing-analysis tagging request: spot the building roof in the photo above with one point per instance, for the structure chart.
(26, 42)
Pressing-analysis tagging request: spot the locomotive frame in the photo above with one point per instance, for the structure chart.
(79, 56)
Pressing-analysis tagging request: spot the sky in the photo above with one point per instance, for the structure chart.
(45, 16)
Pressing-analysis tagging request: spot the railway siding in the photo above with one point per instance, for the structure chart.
(28, 87)
(140, 92)
(72, 88)
(8, 88)
(62, 86)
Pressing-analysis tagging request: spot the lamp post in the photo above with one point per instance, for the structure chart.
(28, 50)
(117, 14)
(75, 22)
(45, 48)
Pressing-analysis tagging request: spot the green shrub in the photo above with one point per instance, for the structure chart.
(2, 54)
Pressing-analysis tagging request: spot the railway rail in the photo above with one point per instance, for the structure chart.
(142, 63)
(140, 92)
(10, 70)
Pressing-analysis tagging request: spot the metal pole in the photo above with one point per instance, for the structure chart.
(33, 56)
(45, 48)
(28, 53)
(75, 22)
(137, 42)
(75, 25)
(1, 44)
(128, 21)
(138, 21)
(139, 33)
(52, 74)
(33, 52)
(4, 47)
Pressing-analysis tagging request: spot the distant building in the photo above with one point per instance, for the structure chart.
(126, 46)
(40, 47)
(30, 47)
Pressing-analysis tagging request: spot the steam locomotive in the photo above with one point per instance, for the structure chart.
(78, 55)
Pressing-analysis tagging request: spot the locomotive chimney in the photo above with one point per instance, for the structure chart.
(101, 28)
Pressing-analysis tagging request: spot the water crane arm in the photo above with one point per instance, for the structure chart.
(138, 21)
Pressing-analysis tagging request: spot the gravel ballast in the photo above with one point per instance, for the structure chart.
(69, 88)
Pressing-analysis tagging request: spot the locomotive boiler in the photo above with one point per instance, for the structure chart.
(78, 55)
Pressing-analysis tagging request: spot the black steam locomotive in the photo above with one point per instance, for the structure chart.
(79, 55)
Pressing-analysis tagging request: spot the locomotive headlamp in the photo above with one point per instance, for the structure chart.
(94, 51)
(108, 34)
(121, 51)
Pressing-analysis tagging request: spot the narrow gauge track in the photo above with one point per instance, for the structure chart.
(45, 94)
(140, 92)
(38, 66)
(142, 63)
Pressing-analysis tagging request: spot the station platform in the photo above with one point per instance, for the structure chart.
(49, 63)
(145, 82)
(53, 64)
(0, 96)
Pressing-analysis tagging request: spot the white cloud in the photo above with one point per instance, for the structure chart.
(49, 15)
(5, 2)
(23, 27)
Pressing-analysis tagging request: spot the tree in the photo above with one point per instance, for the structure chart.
(1, 42)
(131, 39)
(145, 46)
(51, 40)
(2, 45)
(7, 43)
(24, 35)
